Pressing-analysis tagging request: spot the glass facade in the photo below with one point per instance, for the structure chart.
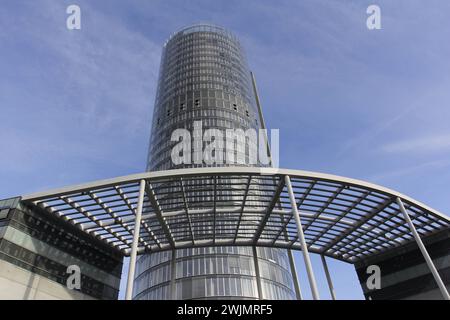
(214, 272)
(45, 245)
(204, 77)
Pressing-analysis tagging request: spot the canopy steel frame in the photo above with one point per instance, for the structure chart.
(341, 218)
(333, 216)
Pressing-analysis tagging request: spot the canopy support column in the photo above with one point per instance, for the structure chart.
(134, 247)
(424, 251)
(258, 276)
(301, 236)
(173, 275)
(298, 290)
(327, 273)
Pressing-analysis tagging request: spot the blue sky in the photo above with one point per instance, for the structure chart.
(76, 106)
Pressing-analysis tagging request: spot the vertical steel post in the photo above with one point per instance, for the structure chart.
(261, 117)
(134, 246)
(173, 275)
(424, 251)
(327, 273)
(258, 276)
(298, 290)
(301, 236)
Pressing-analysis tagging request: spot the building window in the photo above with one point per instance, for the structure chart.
(4, 213)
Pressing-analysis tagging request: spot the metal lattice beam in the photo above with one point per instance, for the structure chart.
(341, 218)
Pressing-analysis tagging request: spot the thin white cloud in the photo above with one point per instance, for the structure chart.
(413, 170)
(96, 94)
(106, 72)
(435, 143)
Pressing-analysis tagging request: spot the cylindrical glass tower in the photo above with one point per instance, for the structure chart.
(204, 77)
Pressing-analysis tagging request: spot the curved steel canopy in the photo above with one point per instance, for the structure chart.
(342, 218)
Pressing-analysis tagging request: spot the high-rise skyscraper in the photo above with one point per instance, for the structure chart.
(204, 78)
